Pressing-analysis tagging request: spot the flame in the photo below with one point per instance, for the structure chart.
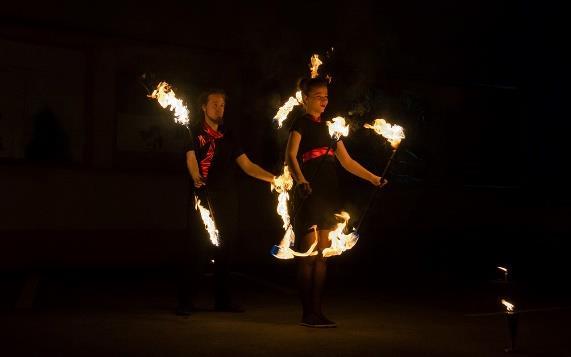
(285, 109)
(509, 306)
(282, 184)
(208, 222)
(314, 66)
(166, 98)
(338, 128)
(393, 133)
(283, 251)
(503, 269)
(340, 241)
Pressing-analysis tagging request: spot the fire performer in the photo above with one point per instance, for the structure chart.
(306, 153)
(210, 158)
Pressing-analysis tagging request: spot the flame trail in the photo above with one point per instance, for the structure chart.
(282, 184)
(293, 101)
(166, 98)
(509, 306)
(393, 133)
(285, 109)
(314, 65)
(340, 241)
(208, 222)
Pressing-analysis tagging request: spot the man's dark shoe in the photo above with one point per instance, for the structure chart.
(183, 310)
(228, 307)
(316, 321)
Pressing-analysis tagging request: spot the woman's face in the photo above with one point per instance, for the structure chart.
(316, 100)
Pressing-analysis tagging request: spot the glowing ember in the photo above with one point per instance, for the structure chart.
(338, 128)
(509, 306)
(285, 109)
(166, 98)
(393, 133)
(314, 66)
(340, 241)
(208, 222)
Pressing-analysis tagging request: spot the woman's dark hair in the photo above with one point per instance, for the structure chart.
(307, 84)
(203, 98)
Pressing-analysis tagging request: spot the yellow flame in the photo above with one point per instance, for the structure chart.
(314, 66)
(393, 133)
(509, 306)
(285, 109)
(166, 98)
(282, 184)
(285, 252)
(338, 128)
(340, 241)
(208, 222)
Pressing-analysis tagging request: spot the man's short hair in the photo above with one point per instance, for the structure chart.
(203, 98)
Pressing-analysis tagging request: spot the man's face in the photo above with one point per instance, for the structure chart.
(214, 108)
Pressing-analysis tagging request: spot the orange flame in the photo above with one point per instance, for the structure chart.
(282, 184)
(340, 241)
(166, 98)
(208, 222)
(285, 252)
(393, 133)
(509, 306)
(285, 109)
(314, 66)
(338, 128)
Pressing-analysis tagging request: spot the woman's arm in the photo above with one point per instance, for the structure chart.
(291, 159)
(353, 166)
(253, 169)
(192, 166)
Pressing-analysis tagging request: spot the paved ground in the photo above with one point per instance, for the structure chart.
(102, 315)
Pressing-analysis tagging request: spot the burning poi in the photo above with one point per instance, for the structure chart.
(293, 101)
(394, 134)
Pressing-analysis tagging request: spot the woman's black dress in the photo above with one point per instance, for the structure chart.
(320, 170)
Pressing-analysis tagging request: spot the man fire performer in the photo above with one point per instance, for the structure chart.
(211, 155)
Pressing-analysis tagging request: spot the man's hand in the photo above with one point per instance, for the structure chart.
(198, 181)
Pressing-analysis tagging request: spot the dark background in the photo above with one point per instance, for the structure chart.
(92, 172)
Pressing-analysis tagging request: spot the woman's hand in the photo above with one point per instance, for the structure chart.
(198, 181)
(378, 181)
(305, 187)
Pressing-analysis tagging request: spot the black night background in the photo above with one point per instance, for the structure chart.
(94, 189)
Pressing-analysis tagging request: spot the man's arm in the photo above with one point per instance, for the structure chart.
(253, 169)
(192, 166)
